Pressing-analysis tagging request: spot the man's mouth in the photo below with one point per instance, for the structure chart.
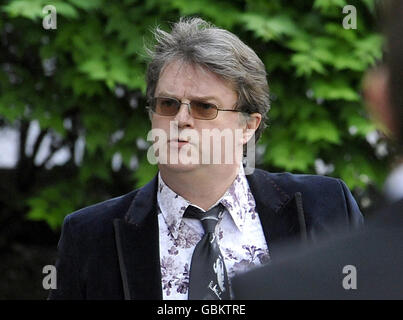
(178, 142)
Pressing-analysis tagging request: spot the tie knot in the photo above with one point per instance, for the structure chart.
(209, 219)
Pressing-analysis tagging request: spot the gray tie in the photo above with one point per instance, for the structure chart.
(208, 275)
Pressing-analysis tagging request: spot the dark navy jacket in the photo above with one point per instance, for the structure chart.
(111, 250)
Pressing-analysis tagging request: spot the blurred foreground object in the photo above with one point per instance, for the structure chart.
(375, 254)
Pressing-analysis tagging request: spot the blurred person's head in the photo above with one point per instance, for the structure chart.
(395, 64)
(384, 86)
(198, 64)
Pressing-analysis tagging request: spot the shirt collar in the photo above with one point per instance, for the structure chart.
(238, 200)
(171, 205)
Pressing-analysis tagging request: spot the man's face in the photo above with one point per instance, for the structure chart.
(188, 83)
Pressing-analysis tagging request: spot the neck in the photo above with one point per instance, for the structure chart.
(203, 187)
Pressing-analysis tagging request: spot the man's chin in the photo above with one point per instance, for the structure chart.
(192, 167)
(179, 167)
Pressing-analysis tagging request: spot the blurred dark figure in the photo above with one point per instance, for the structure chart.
(366, 264)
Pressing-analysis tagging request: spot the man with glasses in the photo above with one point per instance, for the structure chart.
(202, 219)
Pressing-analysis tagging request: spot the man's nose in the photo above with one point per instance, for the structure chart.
(183, 116)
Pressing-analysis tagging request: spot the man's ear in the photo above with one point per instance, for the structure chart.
(251, 125)
(376, 94)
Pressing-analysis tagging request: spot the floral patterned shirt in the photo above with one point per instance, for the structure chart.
(240, 235)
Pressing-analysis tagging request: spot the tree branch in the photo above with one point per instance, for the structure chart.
(54, 147)
(24, 126)
(38, 142)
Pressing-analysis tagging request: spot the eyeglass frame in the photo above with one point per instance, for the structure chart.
(189, 108)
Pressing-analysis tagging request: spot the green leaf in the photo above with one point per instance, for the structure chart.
(343, 62)
(66, 10)
(306, 64)
(369, 49)
(211, 9)
(269, 28)
(80, 84)
(87, 5)
(291, 156)
(95, 69)
(11, 107)
(51, 204)
(326, 5)
(319, 130)
(32, 9)
(300, 43)
(334, 89)
(360, 122)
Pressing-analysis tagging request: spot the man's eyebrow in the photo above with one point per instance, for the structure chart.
(166, 94)
(204, 98)
(199, 98)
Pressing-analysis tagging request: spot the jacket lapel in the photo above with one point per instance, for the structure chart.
(281, 213)
(137, 243)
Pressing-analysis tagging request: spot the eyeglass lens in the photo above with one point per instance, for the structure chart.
(198, 109)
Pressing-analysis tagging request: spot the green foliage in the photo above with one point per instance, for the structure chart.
(52, 203)
(91, 69)
(32, 9)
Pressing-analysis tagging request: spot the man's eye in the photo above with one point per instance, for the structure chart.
(203, 105)
(168, 102)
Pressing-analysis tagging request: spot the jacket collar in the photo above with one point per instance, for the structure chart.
(280, 211)
(144, 203)
(137, 237)
(137, 243)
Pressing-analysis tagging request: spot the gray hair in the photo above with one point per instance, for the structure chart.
(197, 42)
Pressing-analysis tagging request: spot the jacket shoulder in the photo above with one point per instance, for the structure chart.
(305, 183)
(325, 199)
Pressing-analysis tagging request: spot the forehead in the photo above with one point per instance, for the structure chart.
(184, 80)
